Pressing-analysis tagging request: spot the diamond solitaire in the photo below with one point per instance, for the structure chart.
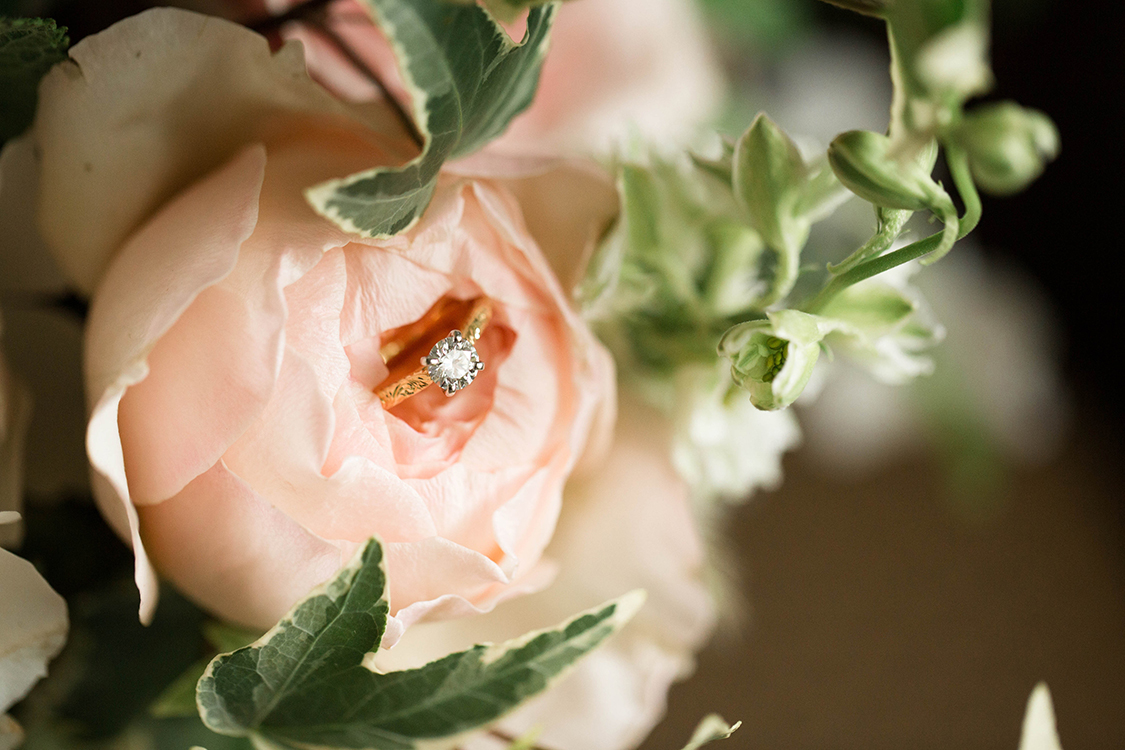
(453, 363)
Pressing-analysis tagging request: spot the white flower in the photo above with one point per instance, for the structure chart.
(998, 367)
(33, 627)
(723, 446)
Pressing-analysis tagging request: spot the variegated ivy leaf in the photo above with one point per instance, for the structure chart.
(28, 49)
(711, 729)
(467, 79)
(304, 683)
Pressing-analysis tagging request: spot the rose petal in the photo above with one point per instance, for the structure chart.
(420, 574)
(150, 284)
(281, 457)
(593, 421)
(224, 546)
(314, 304)
(209, 377)
(628, 526)
(566, 204)
(133, 119)
(600, 88)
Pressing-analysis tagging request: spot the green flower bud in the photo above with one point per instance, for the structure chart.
(1008, 145)
(861, 160)
(773, 359)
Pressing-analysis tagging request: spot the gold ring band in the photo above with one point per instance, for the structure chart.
(452, 362)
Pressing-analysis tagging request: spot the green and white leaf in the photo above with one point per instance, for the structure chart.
(29, 47)
(680, 266)
(782, 195)
(711, 729)
(467, 80)
(304, 683)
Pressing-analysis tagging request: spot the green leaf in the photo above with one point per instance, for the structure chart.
(178, 699)
(468, 79)
(761, 25)
(325, 634)
(304, 683)
(769, 179)
(783, 197)
(28, 49)
(711, 729)
(226, 637)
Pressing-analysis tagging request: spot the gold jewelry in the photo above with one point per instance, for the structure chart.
(452, 362)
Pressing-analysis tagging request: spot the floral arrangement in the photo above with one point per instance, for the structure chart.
(426, 346)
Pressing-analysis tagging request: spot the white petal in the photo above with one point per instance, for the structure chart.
(33, 626)
(1039, 722)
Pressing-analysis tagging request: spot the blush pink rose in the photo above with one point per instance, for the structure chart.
(616, 69)
(625, 526)
(232, 350)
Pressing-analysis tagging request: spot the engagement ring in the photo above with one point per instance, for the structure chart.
(452, 363)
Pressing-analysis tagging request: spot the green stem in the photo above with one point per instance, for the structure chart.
(871, 268)
(958, 162)
(888, 231)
